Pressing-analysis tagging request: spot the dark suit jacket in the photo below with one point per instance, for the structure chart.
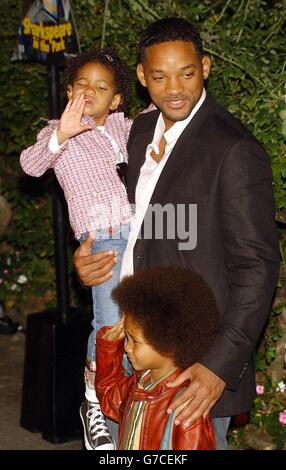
(218, 165)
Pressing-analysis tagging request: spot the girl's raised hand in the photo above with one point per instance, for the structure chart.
(70, 124)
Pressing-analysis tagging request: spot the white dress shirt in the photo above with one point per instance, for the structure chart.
(149, 175)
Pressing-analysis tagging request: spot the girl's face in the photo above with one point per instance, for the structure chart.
(140, 353)
(96, 83)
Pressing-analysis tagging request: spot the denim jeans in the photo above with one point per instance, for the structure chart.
(105, 310)
(220, 427)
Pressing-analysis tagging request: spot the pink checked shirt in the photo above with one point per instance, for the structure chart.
(85, 169)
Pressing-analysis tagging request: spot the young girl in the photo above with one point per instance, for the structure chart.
(86, 148)
(170, 322)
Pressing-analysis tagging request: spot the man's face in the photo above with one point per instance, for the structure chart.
(174, 74)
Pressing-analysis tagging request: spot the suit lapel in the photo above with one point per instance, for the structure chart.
(138, 152)
(183, 152)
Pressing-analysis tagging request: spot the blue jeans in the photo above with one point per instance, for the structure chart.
(220, 427)
(105, 310)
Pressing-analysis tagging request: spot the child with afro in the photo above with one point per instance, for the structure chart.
(169, 322)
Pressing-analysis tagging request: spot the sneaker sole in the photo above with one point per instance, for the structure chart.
(87, 444)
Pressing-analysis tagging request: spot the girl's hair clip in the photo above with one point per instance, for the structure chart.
(109, 57)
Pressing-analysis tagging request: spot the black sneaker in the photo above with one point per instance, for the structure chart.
(96, 434)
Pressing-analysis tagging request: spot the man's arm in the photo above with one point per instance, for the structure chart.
(252, 261)
(201, 395)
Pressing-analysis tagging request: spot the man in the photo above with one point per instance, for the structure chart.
(192, 151)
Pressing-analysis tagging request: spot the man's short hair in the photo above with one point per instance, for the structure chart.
(175, 309)
(169, 29)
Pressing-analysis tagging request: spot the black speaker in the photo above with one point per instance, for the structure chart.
(53, 383)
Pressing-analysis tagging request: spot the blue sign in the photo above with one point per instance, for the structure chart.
(47, 33)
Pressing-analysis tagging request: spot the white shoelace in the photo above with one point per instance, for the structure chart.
(97, 421)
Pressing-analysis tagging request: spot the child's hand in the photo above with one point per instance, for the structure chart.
(70, 120)
(116, 332)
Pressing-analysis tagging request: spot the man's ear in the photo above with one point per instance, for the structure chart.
(69, 92)
(141, 75)
(206, 62)
(116, 101)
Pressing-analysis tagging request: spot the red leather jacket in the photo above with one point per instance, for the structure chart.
(116, 392)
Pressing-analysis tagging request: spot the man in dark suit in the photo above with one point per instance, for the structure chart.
(193, 152)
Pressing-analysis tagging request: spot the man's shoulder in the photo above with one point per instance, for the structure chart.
(222, 122)
(148, 119)
(221, 130)
(143, 123)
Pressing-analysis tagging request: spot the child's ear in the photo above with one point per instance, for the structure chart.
(141, 75)
(69, 92)
(116, 101)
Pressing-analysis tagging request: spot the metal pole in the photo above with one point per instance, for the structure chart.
(59, 208)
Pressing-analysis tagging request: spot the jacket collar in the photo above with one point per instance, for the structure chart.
(141, 140)
(181, 154)
(139, 394)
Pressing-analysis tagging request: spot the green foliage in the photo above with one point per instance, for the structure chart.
(267, 349)
(265, 414)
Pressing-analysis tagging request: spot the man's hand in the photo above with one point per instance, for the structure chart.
(93, 269)
(116, 332)
(201, 395)
(70, 120)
